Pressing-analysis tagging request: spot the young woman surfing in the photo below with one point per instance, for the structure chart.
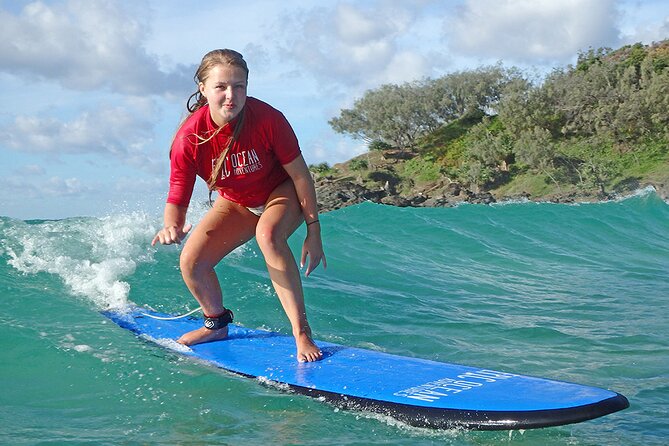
(247, 151)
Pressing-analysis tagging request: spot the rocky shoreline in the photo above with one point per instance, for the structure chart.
(335, 194)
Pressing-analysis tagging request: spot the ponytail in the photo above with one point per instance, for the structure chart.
(220, 161)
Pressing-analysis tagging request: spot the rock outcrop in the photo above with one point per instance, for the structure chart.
(338, 193)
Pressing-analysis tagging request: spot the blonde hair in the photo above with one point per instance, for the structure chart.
(196, 101)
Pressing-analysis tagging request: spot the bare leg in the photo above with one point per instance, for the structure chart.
(281, 217)
(225, 227)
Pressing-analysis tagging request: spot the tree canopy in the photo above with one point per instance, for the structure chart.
(400, 114)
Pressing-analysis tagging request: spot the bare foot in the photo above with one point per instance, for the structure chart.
(202, 335)
(307, 351)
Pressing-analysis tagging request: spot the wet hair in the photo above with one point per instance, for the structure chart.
(209, 61)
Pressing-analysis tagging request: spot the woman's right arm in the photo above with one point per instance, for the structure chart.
(183, 172)
(175, 228)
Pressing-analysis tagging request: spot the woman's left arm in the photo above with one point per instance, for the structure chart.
(306, 195)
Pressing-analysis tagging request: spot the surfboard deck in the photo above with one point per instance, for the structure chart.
(419, 392)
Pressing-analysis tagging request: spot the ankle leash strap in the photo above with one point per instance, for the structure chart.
(220, 321)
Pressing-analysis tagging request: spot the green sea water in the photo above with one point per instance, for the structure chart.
(569, 292)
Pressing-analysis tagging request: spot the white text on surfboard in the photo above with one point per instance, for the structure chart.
(434, 390)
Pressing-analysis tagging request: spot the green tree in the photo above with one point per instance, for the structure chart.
(475, 174)
(491, 145)
(488, 153)
(465, 92)
(607, 94)
(536, 149)
(593, 161)
(400, 114)
(524, 105)
(322, 168)
(653, 96)
(379, 145)
(394, 114)
(358, 164)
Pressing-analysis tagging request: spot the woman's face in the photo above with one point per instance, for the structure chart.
(225, 90)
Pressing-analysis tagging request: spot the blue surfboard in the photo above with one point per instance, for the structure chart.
(416, 391)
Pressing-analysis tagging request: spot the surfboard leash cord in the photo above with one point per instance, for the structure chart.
(172, 318)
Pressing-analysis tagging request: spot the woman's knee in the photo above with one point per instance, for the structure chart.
(191, 263)
(270, 237)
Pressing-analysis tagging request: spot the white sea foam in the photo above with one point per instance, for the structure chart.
(91, 256)
(642, 192)
(648, 190)
(273, 384)
(81, 348)
(371, 346)
(444, 434)
(170, 344)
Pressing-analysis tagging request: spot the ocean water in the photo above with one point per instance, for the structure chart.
(570, 292)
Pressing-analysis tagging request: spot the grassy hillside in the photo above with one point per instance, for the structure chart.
(589, 131)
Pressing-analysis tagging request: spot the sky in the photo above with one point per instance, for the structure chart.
(93, 90)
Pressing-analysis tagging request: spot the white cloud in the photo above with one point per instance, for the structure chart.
(105, 130)
(54, 186)
(357, 27)
(406, 66)
(144, 185)
(357, 46)
(31, 170)
(339, 148)
(85, 45)
(122, 133)
(646, 23)
(58, 187)
(532, 30)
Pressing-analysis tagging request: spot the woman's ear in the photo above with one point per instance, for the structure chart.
(201, 88)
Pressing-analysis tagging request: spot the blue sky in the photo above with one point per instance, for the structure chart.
(93, 90)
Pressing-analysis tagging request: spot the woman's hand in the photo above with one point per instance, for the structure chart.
(312, 247)
(306, 195)
(171, 234)
(175, 228)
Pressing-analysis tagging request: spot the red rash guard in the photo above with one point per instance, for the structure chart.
(253, 166)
